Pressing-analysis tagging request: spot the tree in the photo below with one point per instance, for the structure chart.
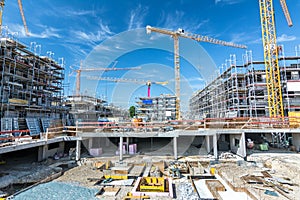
(132, 111)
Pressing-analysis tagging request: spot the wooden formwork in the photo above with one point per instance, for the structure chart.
(214, 187)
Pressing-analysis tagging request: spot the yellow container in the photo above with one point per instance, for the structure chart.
(294, 119)
(212, 171)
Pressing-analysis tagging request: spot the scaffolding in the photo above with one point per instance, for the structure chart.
(240, 90)
(31, 86)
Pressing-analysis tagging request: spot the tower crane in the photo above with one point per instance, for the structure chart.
(2, 3)
(272, 69)
(199, 38)
(137, 81)
(78, 71)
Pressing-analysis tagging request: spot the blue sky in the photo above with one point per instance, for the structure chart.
(99, 32)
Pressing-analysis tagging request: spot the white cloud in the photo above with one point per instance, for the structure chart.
(176, 20)
(286, 38)
(70, 12)
(228, 2)
(93, 37)
(48, 32)
(195, 79)
(137, 17)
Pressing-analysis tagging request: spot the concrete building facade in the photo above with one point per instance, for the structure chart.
(159, 108)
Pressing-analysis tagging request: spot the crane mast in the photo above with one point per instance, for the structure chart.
(199, 38)
(286, 12)
(23, 17)
(2, 3)
(275, 103)
(1, 13)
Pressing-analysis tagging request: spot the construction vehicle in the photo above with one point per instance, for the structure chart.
(137, 81)
(180, 33)
(2, 3)
(78, 71)
(267, 18)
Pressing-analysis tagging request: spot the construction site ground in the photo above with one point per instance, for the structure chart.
(263, 176)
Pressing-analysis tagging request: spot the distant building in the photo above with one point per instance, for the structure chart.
(87, 108)
(159, 108)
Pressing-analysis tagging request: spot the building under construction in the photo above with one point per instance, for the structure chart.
(31, 88)
(241, 91)
(161, 108)
(87, 108)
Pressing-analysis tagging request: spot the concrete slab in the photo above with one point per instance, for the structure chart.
(202, 189)
(234, 195)
(127, 182)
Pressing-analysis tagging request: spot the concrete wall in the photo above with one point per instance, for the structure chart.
(45, 152)
(237, 144)
(296, 140)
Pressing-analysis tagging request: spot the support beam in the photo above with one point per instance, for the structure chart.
(107, 142)
(242, 151)
(127, 144)
(244, 145)
(78, 149)
(90, 144)
(215, 141)
(175, 148)
(42, 152)
(121, 148)
(207, 140)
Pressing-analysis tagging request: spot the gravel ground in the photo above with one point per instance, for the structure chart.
(280, 165)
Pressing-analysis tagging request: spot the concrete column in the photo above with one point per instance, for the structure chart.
(121, 148)
(42, 152)
(61, 147)
(107, 142)
(215, 141)
(296, 140)
(90, 145)
(127, 145)
(207, 140)
(175, 148)
(78, 149)
(242, 146)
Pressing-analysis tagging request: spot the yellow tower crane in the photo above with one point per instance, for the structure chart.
(78, 71)
(125, 80)
(199, 38)
(272, 69)
(2, 3)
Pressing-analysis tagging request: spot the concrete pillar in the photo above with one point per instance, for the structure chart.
(121, 148)
(175, 148)
(42, 152)
(242, 146)
(61, 147)
(78, 149)
(207, 140)
(90, 143)
(215, 141)
(296, 140)
(107, 142)
(127, 145)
